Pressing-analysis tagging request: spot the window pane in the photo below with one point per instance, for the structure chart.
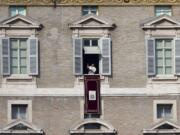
(14, 70)
(168, 70)
(12, 11)
(89, 9)
(159, 44)
(168, 43)
(160, 10)
(22, 112)
(164, 110)
(159, 53)
(159, 62)
(23, 53)
(14, 53)
(168, 53)
(168, 62)
(159, 70)
(14, 44)
(94, 42)
(22, 10)
(86, 42)
(23, 70)
(19, 111)
(14, 113)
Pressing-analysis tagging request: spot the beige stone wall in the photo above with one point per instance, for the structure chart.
(56, 115)
(128, 44)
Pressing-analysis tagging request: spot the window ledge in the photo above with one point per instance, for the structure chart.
(102, 77)
(164, 78)
(19, 77)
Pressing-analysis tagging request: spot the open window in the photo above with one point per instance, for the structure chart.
(92, 44)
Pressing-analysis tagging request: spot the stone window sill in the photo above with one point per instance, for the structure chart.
(165, 78)
(19, 77)
(82, 77)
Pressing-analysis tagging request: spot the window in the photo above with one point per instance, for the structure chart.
(18, 56)
(89, 10)
(19, 111)
(90, 42)
(89, 51)
(15, 10)
(161, 10)
(165, 109)
(164, 56)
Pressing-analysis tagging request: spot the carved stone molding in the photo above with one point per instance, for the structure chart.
(89, 2)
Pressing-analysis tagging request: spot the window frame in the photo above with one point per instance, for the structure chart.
(163, 6)
(16, 6)
(20, 102)
(89, 11)
(173, 57)
(27, 59)
(165, 102)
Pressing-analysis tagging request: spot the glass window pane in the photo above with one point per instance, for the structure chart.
(168, 53)
(13, 11)
(160, 10)
(164, 110)
(14, 113)
(159, 62)
(14, 44)
(86, 42)
(168, 43)
(14, 53)
(168, 70)
(94, 42)
(22, 10)
(14, 70)
(159, 53)
(23, 44)
(23, 62)
(23, 53)
(14, 62)
(159, 70)
(159, 44)
(23, 70)
(168, 62)
(22, 112)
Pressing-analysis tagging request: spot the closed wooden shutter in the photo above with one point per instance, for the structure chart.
(33, 56)
(151, 70)
(177, 56)
(105, 45)
(77, 54)
(5, 56)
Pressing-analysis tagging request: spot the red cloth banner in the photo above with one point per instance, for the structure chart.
(92, 94)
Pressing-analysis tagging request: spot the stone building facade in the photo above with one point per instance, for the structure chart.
(46, 45)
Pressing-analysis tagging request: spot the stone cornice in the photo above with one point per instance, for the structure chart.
(89, 2)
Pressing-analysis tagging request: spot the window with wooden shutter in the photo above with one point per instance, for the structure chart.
(106, 56)
(177, 56)
(5, 56)
(151, 57)
(77, 54)
(33, 56)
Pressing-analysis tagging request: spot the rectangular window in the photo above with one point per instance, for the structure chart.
(19, 111)
(164, 111)
(89, 10)
(15, 10)
(164, 56)
(163, 10)
(18, 56)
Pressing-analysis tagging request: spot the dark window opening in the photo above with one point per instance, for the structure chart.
(89, 59)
